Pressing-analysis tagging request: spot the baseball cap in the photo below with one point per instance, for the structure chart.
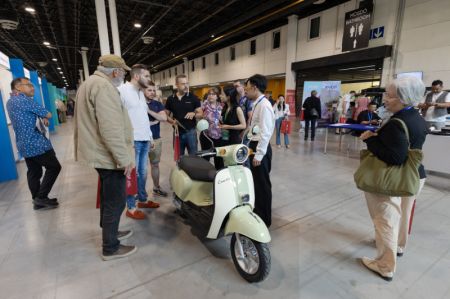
(113, 61)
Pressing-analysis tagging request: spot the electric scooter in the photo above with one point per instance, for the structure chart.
(220, 203)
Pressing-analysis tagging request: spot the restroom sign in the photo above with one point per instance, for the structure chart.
(357, 29)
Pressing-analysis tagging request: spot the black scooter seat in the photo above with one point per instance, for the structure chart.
(197, 168)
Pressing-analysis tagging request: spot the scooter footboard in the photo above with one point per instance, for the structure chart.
(242, 220)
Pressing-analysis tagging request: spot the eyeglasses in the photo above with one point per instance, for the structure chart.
(26, 84)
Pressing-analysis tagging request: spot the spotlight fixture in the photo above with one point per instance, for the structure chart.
(30, 9)
(54, 59)
(58, 68)
(46, 43)
(137, 25)
(212, 35)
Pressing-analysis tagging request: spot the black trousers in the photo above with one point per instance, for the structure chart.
(263, 186)
(112, 204)
(206, 145)
(52, 167)
(312, 122)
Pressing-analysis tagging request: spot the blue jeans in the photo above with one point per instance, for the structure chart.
(278, 128)
(188, 139)
(141, 149)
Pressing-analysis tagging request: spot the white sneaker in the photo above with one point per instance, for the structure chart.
(400, 251)
(373, 266)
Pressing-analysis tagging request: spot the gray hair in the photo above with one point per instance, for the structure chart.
(410, 90)
(106, 70)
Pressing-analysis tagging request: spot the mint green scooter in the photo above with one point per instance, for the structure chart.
(220, 203)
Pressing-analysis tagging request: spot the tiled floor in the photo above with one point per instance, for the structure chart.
(321, 226)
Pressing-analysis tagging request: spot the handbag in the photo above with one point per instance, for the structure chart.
(285, 126)
(176, 145)
(376, 176)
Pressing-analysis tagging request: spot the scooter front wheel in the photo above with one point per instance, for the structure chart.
(251, 258)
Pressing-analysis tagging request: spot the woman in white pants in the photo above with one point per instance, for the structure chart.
(390, 215)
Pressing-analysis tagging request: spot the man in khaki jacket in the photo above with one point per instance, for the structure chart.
(104, 140)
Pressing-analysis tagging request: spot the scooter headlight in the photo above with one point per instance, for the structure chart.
(241, 154)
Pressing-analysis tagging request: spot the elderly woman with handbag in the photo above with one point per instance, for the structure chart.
(391, 173)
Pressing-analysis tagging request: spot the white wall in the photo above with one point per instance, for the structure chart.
(266, 61)
(424, 44)
(425, 40)
(332, 26)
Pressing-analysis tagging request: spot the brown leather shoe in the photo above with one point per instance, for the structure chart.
(148, 205)
(136, 214)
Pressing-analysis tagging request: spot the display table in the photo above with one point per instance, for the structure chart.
(435, 151)
(355, 127)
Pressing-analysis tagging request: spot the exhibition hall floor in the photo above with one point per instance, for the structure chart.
(320, 227)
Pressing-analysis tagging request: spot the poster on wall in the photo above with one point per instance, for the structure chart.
(4, 60)
(357, 29)
(327, 91)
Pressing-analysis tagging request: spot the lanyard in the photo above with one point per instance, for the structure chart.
(406, 108)
(369, 115)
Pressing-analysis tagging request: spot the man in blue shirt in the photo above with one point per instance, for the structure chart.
(156, 114)
(28, 119)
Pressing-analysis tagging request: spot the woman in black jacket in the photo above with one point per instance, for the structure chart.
(313, 111)
(390, 215)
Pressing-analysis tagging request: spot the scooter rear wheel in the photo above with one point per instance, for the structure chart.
(253, 262)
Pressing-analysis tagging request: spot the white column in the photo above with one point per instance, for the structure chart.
(186, 67)
(114, 27)
(102, 27)
(291, 51)
(85, 61)
(81, 76)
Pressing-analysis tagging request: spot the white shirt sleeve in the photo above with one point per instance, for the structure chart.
(286, 109)
(267, 123)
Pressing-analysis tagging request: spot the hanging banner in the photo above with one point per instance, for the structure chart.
(327, 91)
(27, 73)
(357, 29)
(4, 60)
(290, 100)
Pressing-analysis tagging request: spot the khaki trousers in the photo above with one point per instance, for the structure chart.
(390, 216)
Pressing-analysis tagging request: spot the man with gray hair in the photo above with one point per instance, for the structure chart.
(103, 138)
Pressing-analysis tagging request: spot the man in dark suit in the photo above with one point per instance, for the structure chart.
(313, 111)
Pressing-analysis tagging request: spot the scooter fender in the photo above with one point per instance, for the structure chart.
(243, 221)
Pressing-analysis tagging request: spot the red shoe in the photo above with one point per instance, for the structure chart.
(148, 205)
(136, 214)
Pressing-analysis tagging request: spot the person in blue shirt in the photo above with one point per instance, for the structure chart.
(28, 119)
(156, 114)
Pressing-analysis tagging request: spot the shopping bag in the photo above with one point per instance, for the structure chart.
(285, 126)
(99, 186)
(176, 145)
(131, 183)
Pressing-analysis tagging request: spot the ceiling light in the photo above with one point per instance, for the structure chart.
(137, 25)
(173, 54)
(212, 35)
(46, 43)
(61, 73)
(30, 9)
(54, 59)
(357, 68)
(58, 68)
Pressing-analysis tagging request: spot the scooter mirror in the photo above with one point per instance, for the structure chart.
(202, 125)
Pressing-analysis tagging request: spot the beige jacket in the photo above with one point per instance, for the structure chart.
(103, 133)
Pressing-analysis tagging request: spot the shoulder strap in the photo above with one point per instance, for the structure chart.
(405, 128)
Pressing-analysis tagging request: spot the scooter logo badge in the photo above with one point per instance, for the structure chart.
(223, 181)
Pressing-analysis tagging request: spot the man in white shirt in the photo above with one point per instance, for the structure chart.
(134, 101)
(263, 117)
(434, 108)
